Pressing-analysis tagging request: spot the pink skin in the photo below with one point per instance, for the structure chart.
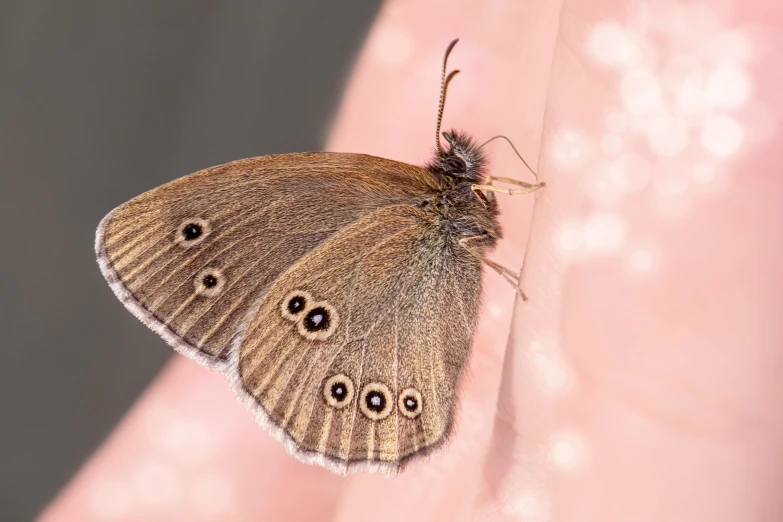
(642, 379)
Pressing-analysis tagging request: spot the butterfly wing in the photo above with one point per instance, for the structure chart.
(193, 257)
(354, 357)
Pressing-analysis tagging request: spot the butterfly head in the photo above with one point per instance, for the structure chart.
(456, 168)
(463, 160)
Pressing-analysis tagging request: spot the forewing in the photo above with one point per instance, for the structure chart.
(401, 304)
(193, 257)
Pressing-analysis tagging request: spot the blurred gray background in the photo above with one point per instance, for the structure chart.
(100, 101)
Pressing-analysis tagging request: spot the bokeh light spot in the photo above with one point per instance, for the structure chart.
(672, 175)
(392, 45)
(570, 237)
(761, 121)
(640, 91)
(667, 136)
(569, 149)
(617, 122)
(611, 144)
(731, 46)
(156, 484)
(672, 205)
(568, 451)
(604, 233)
(703, 173)
(727, 86)
(214, 495)
(525, 507)
(695, 19)
(722, 135)
(555, 377)
(110, 499)
(187, 440)
(642, 260)
(691, 104)
(603, 184)
(563, 453)
(678, 70)
(633, 171)
(609, 43)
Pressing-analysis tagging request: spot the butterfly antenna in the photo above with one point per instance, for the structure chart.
(444, 84)
(500, 136)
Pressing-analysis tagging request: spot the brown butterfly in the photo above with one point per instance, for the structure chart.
(339, 292)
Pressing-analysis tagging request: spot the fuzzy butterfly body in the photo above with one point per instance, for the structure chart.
(339, 292)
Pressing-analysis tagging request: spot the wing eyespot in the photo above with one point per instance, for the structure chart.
(319, 322)
(209, 282)
(376, 401)
(192, 232)
(293, 306)
(410, 403)
(338, 391)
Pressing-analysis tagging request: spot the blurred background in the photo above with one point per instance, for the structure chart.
(99, 102)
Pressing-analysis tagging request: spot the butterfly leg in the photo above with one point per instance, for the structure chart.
(511, 181)
(479, 194)
(501, 270)
(527, 188)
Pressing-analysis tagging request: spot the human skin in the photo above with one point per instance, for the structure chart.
(641, 379)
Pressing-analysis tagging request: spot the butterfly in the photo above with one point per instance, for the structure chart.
(338, 292)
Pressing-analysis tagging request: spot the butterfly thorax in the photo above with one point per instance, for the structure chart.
(460, 212)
